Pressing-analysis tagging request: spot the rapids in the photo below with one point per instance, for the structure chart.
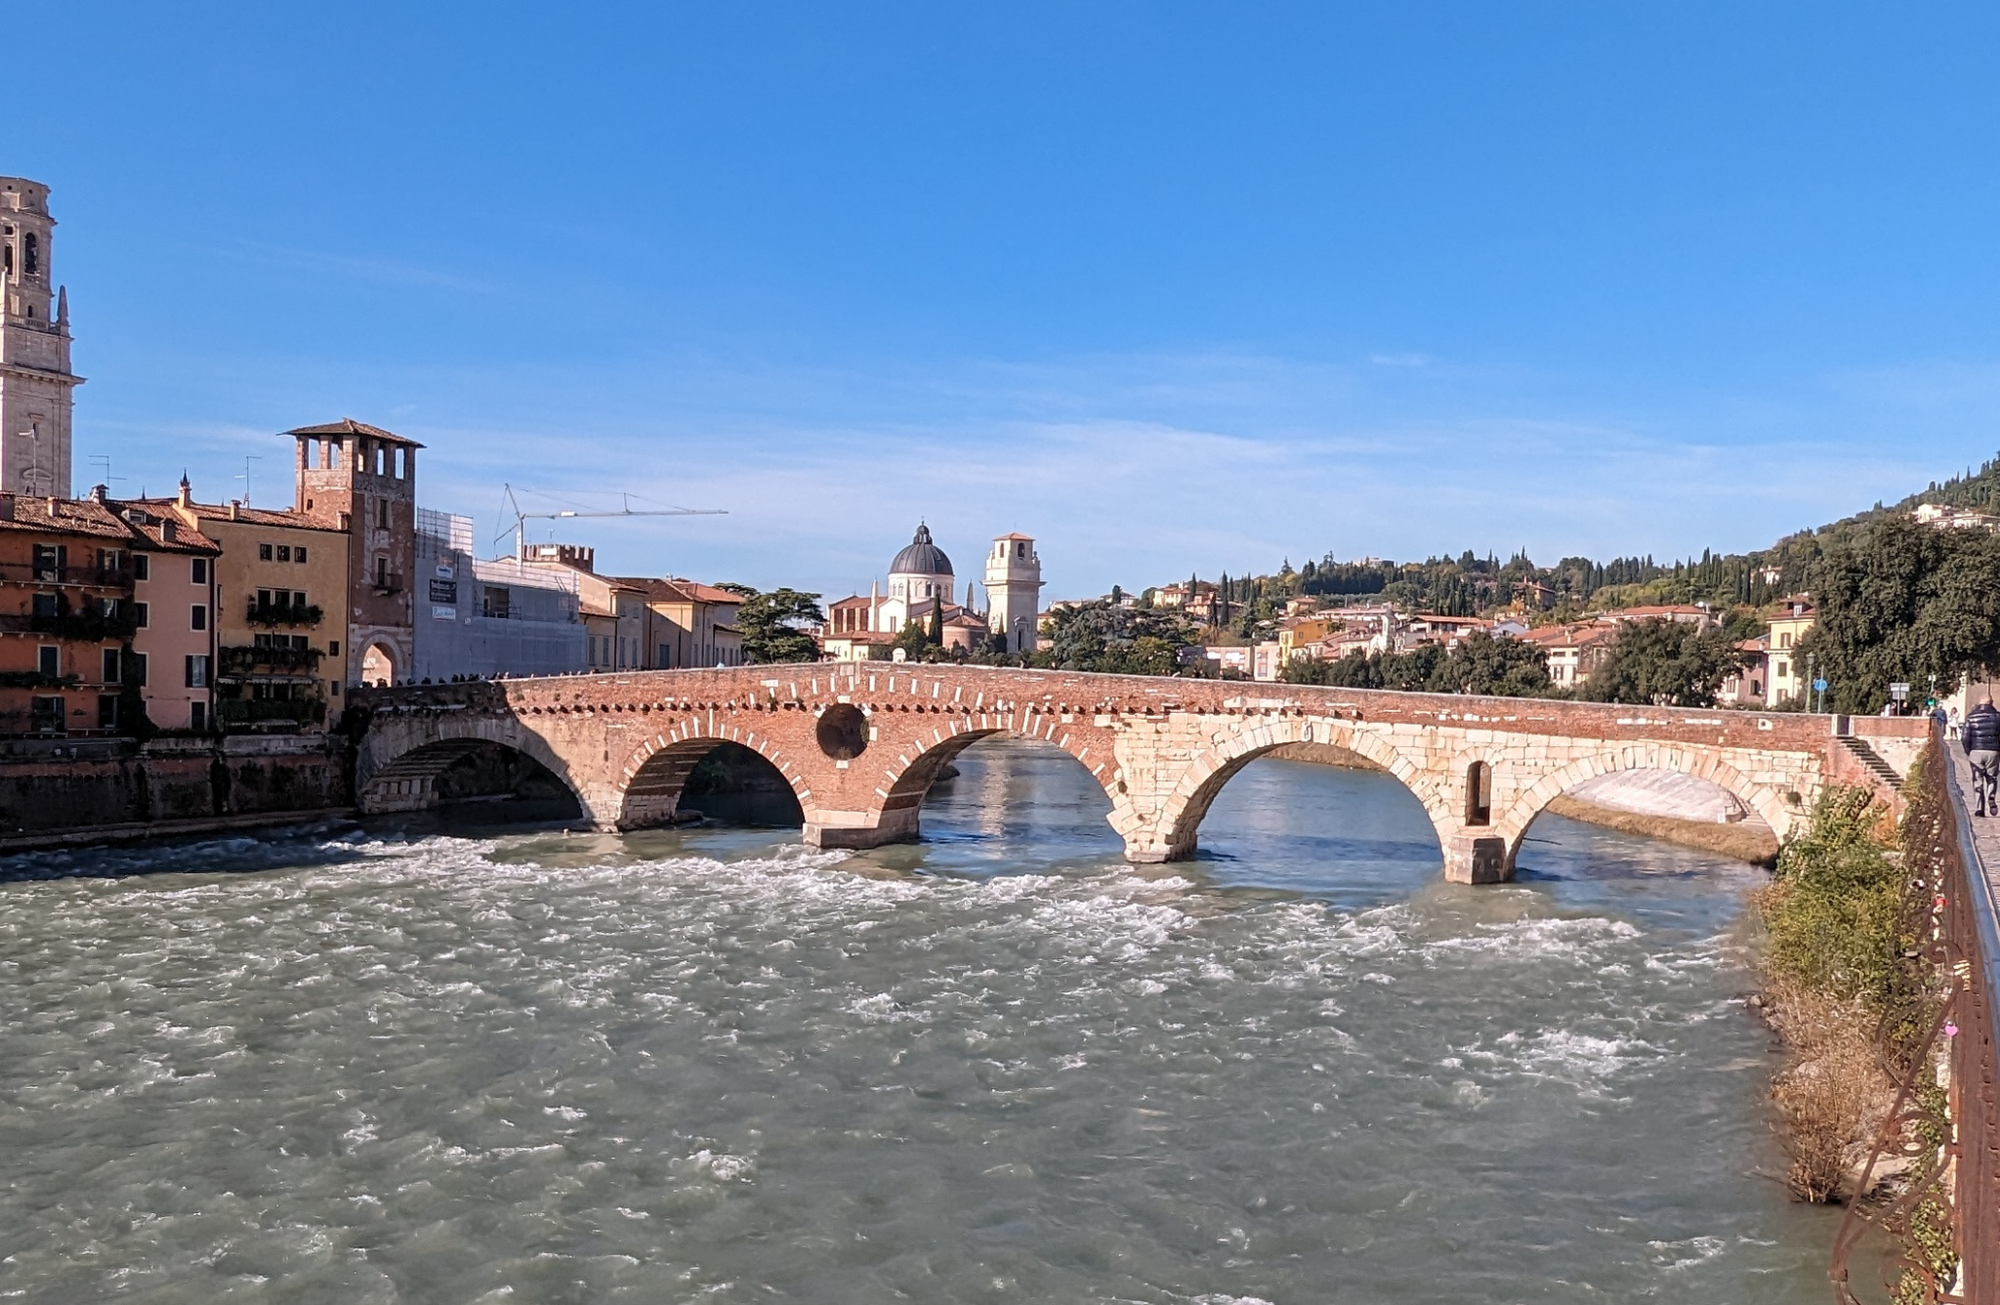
(406, 1063)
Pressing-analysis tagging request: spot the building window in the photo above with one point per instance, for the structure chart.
(284, 552)
(334, 688)
(111, 666)
(31, 255)
(333, 647)
(666, 661)
(197, 671)
(498, 602)
(140, 611)
(142, 567)
(382, 514)
(299, 553)
(139, 669)
(263, 552)
(45, 715)
(48, 660)
(50, 559)
(198, 617)
(198, 570)
(197, 716)
(107, 711)
(298, 598)
(45, 605)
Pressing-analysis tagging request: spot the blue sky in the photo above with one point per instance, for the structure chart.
(1172, 287)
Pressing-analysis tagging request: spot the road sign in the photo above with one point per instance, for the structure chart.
(1899, 690)
(1819, 686)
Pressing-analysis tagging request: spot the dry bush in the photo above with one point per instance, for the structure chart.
(1833, 1090)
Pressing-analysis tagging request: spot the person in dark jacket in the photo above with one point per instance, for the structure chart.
(1981, 737)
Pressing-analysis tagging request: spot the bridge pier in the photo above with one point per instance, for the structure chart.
(856, 830)
(1477, 856)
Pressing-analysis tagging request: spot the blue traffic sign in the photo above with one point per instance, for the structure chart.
(1819, 686)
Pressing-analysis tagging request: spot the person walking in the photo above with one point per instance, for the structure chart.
(1981, 736)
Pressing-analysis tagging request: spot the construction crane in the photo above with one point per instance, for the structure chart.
(521, 519)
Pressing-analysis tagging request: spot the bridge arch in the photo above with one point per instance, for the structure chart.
(911, 776)
(401, 767)
(1773, 805)
(655, 773)
(1175, 829)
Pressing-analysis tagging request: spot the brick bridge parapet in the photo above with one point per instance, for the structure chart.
(860, 745)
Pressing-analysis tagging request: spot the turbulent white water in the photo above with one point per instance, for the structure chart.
(1002, 1066)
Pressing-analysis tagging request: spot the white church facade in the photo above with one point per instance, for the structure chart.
(922, 591)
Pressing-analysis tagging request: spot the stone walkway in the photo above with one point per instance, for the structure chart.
(1986, 832)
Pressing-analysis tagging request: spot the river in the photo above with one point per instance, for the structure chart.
(406, 1064)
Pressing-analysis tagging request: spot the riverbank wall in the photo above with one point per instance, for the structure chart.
(56, 792)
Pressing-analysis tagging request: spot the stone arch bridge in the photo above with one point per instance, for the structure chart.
(861, 744)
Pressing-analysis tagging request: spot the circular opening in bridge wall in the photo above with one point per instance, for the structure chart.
(843, 731)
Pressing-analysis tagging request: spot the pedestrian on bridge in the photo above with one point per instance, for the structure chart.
(1981, 736)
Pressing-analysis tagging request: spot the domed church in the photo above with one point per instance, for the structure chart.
(921, 582)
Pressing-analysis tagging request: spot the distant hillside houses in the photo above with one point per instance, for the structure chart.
(1945, 517)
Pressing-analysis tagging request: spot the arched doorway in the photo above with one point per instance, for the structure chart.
(378, 666)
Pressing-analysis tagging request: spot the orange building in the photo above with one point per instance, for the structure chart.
(77, 648)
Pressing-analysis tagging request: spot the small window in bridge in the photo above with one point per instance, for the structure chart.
(1478, 794)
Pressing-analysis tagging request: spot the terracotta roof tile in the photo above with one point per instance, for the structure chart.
(349, 426)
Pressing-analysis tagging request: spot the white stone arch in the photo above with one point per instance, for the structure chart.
(1768, 801)
(397, 770)
(919, 762)
(1175, 826)
(678, 748)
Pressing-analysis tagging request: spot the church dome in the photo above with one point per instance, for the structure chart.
(922, 557)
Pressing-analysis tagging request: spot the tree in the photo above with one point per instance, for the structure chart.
(1482, 663)
(1113, 640)
(771, 624)
(934, 630)
(1903, 601)
(915, 641)
(1663, 663)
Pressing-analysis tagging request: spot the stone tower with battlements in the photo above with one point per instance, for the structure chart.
(35, 379)
(363, 479)
(1014, 592)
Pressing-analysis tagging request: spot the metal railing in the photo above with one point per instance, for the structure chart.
(276, 614)
(244, 659)
(1944, 1223)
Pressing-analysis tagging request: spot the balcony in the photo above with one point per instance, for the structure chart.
(388, 582)
(257, 711)
(271, 615)
(38, 680)
(88, 626)
(239, 660)
(117, 577)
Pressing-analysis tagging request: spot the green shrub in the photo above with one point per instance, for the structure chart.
(1834, 912)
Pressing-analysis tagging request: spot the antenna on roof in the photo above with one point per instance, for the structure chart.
(521, 519)
(107, 480)
(248, 458)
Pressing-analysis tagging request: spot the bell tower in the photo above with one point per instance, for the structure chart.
(1014, 592)
(35, 379)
